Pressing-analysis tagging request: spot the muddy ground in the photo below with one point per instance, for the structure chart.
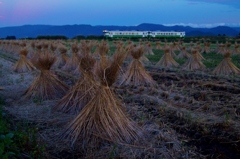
(189, 114)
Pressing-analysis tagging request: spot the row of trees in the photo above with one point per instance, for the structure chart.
(56, 37)
(213, 39)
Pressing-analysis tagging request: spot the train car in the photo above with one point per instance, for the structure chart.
(167, 34)
(125, 34)
(142, 34)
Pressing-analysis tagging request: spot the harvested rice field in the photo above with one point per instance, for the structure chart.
(124, 99)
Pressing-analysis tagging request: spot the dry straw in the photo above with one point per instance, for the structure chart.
(194, 62)
(167, 60)
(148, 49)
(46, 85)
(73, 61)
(228, 47)
(85, 48)
(191, 45)
(198, 54)
(32, 49)
(45, 46)
(175, 46)
(158, 45)
(236, 48)
(62, 59)
(171, 48)
(84, 89)
(222, 49)
(23, 64)
(226, 67)
(103, 49)
(206, 47)
(38, 52)
(53, 48)
(103, 117)
(183, 53)
(217, 47)
(136, 74)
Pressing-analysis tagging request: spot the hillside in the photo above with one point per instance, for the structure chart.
(74, 30)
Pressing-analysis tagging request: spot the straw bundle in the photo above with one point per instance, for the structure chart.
(53, 48)
(183, 53)
(228, 47)
(130, 45)
(198, 54)
(191, 45)
(206, 48)
(221, 49)
(45, 46)
(194, 62)
(83, 91)
(85, 48)
(23, 44)
(226, 67)
(136, 74)
(31, 50)
(171, 48)
(103, 49)
(37, 53)
(167, 60)
(236, 49)
(96, 51)
(148, 49)
(158, 45)
(217, 47)
(73, 61)
(62, 59)
(46, 85)
(103, 117)
(175, 46)
(23, 64)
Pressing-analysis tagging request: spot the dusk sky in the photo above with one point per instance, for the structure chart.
(195, 13)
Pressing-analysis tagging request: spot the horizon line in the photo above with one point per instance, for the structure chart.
(166, 25)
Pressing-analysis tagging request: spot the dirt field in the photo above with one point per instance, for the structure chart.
(189, 114)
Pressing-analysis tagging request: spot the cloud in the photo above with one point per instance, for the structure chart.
(233, 3)
(205, 25)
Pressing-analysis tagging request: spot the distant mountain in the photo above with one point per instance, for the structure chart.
(199, 33)
(224, 30)
(74, 30)
(237, 29)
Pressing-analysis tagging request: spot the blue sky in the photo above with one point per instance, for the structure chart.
(195, 13)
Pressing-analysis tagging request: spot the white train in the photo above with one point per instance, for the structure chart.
(143, 34)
